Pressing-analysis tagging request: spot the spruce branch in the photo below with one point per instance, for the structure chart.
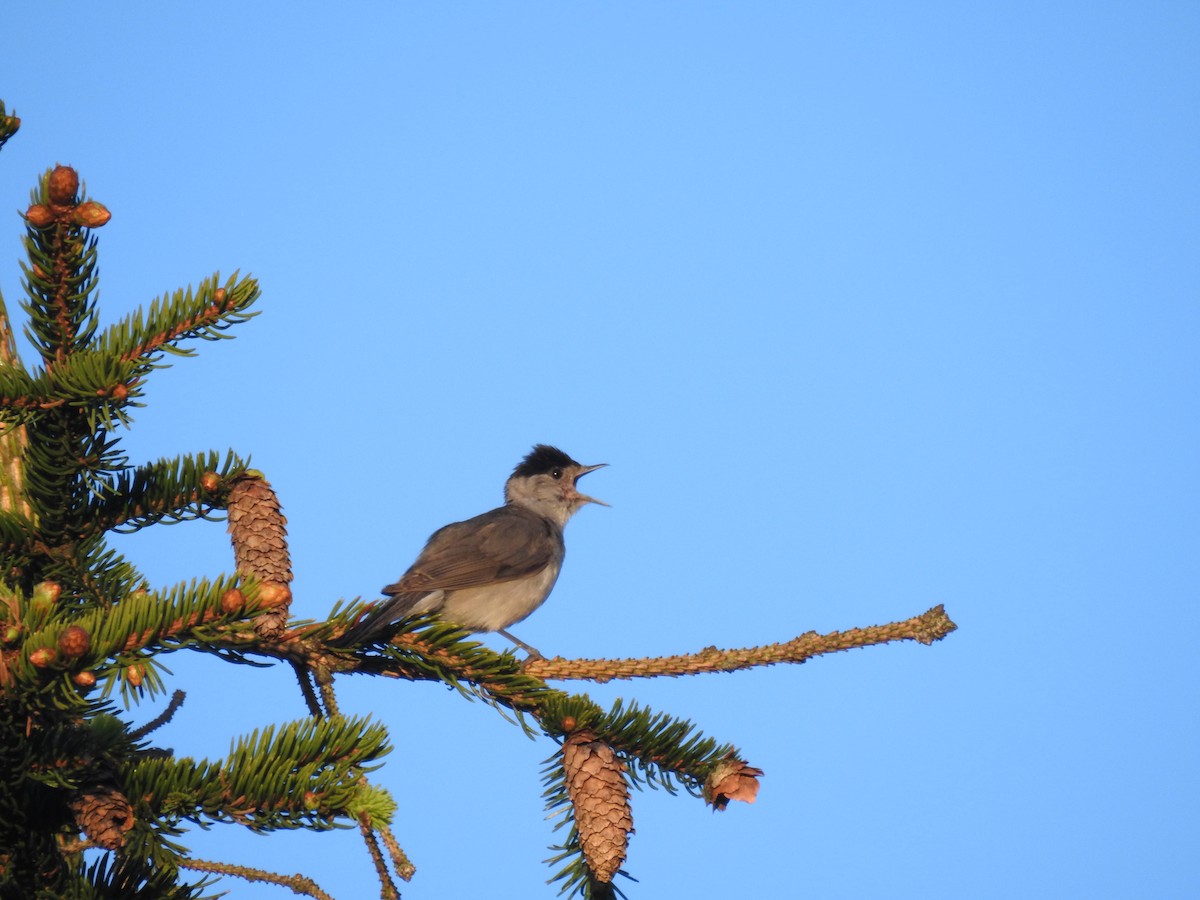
(405, 869)
(304, 679)
(299, 884)
(168, 490)
(300, 775)
(660, 747)
(177, 698)
(203, 313)
(929, 626)
(60, 279)
(387, 887)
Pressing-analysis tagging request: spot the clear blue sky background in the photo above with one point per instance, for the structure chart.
(870, 306)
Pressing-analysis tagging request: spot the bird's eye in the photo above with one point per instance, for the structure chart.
(556, 474)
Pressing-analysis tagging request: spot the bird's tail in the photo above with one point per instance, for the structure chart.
(383, 615)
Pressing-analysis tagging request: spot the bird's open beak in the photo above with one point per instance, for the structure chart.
(584, 498)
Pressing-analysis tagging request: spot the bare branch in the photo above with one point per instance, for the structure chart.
(926, 628)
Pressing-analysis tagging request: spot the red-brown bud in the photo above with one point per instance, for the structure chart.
(74, 641)
(569, 723)
(120, 392)
(91, 214)
(134, 675)
(273, 594)
(39, 216)
(84, 679)
(233, 601)
(47, 590)
(42, 657)
(210, 481)
(62, 185)
(219, 295)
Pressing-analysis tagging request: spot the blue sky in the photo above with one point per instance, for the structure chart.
(869, 307)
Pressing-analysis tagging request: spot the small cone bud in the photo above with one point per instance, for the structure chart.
(62, 185)
(91, 214)
(42, 657)
(568, 724)
(134, 675)
(210, 481)
(49, 591)
(272, 594)
(120, 392)
(84, 679)
(232, 601)
(74, 642)
(219, 295)
(12, 634)
(39, 216)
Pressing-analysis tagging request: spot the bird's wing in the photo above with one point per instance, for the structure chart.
(502, 545)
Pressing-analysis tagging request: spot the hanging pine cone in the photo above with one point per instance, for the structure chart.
(103, 814)
(258, 531)
(600, 796)
(731, 779)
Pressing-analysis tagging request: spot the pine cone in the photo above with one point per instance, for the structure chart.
(104, 815)
(731, 779)
(258, 531)
(597, 788)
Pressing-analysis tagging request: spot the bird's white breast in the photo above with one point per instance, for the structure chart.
(497, 606)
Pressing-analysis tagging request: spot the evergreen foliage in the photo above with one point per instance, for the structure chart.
(78, 622)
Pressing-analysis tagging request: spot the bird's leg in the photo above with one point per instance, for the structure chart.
(533, 652)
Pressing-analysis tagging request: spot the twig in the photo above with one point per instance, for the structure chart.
(306, 688)
(926, 628)
(300, 884)
(162, 718)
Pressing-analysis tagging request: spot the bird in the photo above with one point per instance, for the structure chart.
(490, 572)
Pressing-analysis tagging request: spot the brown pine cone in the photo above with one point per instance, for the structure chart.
(598, 791)
(103, 814)
(258, 531)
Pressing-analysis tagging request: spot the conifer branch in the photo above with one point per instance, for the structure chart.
(423, 649)
(405, 869)
(300, 775)
(177, 698)
(387, 888)
(168, 490)
(203, 313)
(306, 688)
(299, 884)
(930, 626)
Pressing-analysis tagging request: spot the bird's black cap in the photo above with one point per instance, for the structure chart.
(541, 460)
